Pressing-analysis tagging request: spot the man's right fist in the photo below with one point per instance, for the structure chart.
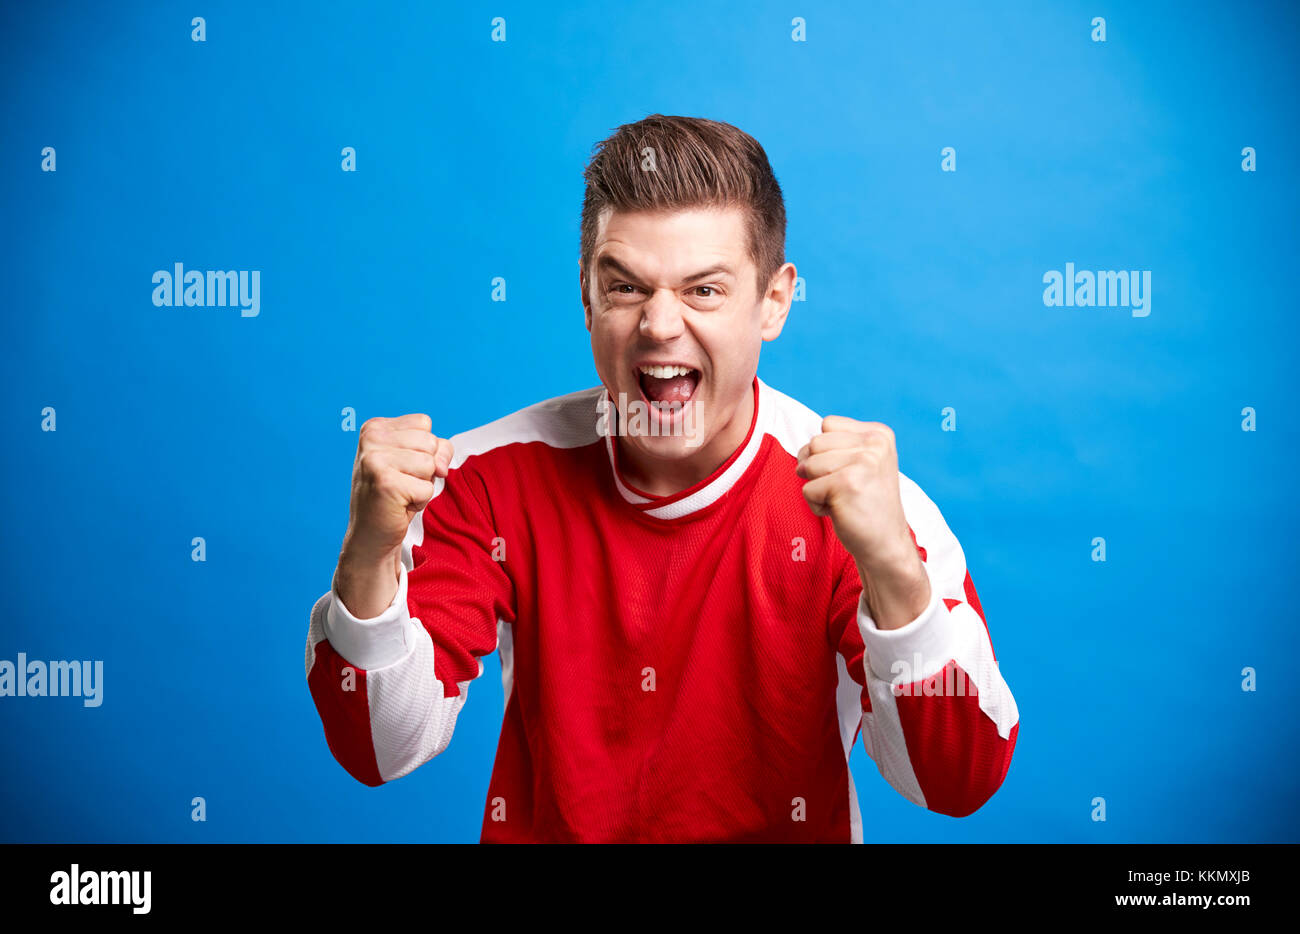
(392, 481)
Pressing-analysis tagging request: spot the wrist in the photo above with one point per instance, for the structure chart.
(899, 568)
(357, 556)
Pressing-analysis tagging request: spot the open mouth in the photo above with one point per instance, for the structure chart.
(667, 388)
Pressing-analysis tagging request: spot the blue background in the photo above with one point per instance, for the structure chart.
(924, 290)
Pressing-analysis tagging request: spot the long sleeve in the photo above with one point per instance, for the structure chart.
(938, 719)
(389, 689)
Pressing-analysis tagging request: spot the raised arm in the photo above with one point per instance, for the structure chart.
(415, 603)
(938, 718)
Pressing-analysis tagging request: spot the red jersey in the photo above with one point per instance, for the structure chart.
(693, 667)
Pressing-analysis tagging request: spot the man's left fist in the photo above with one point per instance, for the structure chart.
(852, 474)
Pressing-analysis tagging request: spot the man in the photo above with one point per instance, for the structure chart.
(700, 596)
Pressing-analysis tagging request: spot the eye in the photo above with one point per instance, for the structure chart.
(617, 287)
(710, 289)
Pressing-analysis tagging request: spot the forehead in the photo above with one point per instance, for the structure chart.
(679, 241)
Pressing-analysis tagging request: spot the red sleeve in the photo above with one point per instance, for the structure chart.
(938, 719)
(389, 689)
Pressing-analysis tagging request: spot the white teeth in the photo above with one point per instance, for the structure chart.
(664, 372)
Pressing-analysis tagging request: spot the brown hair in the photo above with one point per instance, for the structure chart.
(697, 163)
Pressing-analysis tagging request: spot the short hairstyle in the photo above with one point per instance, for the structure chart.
(697, 163)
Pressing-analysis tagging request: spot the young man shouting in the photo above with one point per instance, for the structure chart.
(700, 596)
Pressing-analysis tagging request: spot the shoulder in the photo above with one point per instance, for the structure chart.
(792, 424)
(498, 467)
(567, 421)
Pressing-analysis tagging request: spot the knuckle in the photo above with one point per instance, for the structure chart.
(375, 436)
(370, 463)
(386, 481)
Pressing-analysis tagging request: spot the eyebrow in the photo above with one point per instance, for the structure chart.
(608, 262)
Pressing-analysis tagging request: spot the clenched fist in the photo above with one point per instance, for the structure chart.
(852, 474)
(392, 481)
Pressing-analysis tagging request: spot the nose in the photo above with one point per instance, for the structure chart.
(661, 317)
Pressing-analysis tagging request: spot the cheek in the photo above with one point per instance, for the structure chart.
(600, 356)
(731, 358)
(613, 331)
(606, 348)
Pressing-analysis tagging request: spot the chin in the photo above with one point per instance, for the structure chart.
(671, 448)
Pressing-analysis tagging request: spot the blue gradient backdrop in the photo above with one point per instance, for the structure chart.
(924, 290)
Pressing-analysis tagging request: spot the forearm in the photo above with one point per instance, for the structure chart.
(365, 584)
(896, 591)
(383, 705)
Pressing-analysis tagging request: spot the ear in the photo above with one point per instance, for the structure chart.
(582, 286)
(776, 304)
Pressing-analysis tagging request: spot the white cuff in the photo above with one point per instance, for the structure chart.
(918, 650)
(370, 643)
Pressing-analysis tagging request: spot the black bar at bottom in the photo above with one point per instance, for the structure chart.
(906, 883)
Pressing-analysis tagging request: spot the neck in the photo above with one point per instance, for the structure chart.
(659, 476)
